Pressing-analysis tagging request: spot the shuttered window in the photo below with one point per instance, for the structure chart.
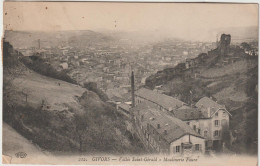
(197, 147)
(205, 133)
(216, 133)
(177, 149)
(216, 123)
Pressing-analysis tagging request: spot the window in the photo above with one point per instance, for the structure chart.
(199, 131)
(205, 133)
(224, 114)
(216, 133)
(194, 127)
(216, 122)
(216, 114)
(197, 147)
(188, 123)
(177, 149)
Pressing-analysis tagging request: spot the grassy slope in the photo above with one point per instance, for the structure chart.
(54, 126)
(54, 92)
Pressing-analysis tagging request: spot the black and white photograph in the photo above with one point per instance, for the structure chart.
(119, 83)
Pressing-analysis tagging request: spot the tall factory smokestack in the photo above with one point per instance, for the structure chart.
(133, 89)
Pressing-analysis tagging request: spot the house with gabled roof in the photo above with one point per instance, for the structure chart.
(209, 119)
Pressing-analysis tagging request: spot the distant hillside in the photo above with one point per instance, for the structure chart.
(59, 116)
(23, 39)
(240, 34)
(230, 79)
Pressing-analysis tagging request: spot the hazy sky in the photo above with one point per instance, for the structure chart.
(173, 19)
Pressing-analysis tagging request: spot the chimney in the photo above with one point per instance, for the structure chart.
(133, 89)
(208, 111)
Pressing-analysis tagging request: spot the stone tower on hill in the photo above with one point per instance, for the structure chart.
(224, 44)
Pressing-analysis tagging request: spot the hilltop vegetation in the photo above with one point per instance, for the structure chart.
(230, 79)
(39, 65)
(59, 116)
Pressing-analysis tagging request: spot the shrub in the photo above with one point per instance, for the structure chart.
(39, 65)
(92, 86)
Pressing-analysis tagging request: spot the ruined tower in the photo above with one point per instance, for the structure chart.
(224, 44)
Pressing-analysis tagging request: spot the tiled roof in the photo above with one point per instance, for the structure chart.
(184, 107)
(205, 103)
(190, 114)
(161, 99)
(124, 106)
(175, 127)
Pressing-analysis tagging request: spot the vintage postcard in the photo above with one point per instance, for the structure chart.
(119, 83)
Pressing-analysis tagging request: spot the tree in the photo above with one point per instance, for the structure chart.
(81, 128)
(245, 46)
(92, 86)
(12, 69)
(26, 92)
(226, 136)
